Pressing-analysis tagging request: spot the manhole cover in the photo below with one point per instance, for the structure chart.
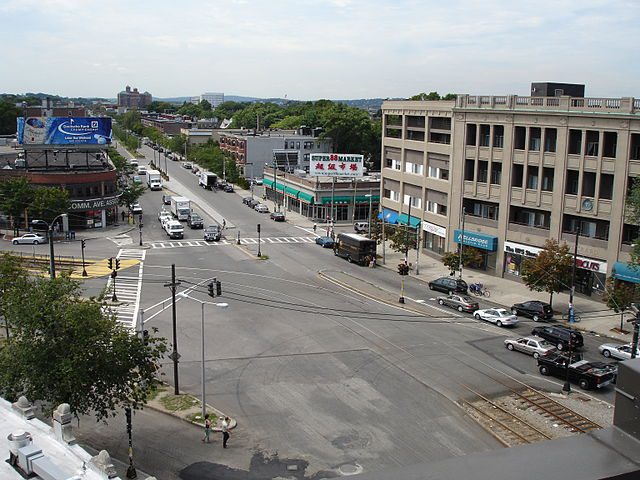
(348, 469)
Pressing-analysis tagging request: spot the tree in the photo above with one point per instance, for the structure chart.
(205, 106)
(402, 238)
(632, 214)
(11, 278)
(65, 349)
(8, 115)
(130, 194)
(49, 202)
(471, 257)
(16, 194)
(550, 271)
(161, 107)
(619, 296)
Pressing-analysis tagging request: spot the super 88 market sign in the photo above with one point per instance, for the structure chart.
(336, 165)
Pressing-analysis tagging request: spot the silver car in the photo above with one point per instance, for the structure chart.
(499, 316)
(535, 346)
(29, 238)
(615, 350)
(462, 303)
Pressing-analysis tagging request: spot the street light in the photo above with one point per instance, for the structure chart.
(52, 266)
(202, 304)
(259, 253)
(464, 211)
(84, 269)
(140, 227)
(370, 196)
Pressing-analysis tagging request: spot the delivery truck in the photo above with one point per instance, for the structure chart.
(154, 180)
(208, 180)
(180, 207)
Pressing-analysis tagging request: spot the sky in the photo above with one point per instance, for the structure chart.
(313, 49)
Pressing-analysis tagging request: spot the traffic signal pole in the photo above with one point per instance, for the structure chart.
(175, 356)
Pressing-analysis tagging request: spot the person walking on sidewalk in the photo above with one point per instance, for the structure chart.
(225, 431)
(207, 428)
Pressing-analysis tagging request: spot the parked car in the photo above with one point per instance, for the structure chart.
(136, 209)
(195, 221)
(195, 169)
(187, 165)
(500, 316)
(361, 227)
(228, 188)
(325, 242)
(166, 199)
(142, 170)
(588, 375)
(212, 233)
(30, 239)
(533, 309)
(253, 203)
(617, 351)
(258, 181)
(559, 335)
(462, 303)
(277, 216)
(535, 346)
(261, 208)
(137, 179)
(246, 200)
(164, 214)
(449, 285)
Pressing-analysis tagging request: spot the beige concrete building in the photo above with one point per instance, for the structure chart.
(522, 169)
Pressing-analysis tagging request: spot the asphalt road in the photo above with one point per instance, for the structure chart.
(316, 376)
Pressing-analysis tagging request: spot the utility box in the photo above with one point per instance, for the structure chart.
(627, 413)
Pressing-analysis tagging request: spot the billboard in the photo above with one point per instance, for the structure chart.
(64, 131)
(336, 165)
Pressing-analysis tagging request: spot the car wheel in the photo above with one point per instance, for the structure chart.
(514, 311)
(544, 370)
(536, 318)
(430, 287)
(441, 302)
(477, 316)
(451, 292)
(584, 384)
(606, 353)
(460, 309)
(509, 347)
(536, 355)
(15, 242)
(349, 260)
(560, 346)
(36, 242)
(499, 323)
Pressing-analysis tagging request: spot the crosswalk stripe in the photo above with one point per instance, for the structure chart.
(243, 241)
(127, 290)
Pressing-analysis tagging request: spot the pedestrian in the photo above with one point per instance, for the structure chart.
(224, 224)
(225, 431)
(123, 215)
(315, 227)
(207, 428)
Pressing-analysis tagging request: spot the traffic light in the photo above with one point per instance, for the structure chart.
(145, 337)
(403, 269)
(82, 242)
(211, 292)
(258, 228)
(218, 287)
(110, 263)
(117, 264)
(127, 413)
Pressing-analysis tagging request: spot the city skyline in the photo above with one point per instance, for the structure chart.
(307, 50)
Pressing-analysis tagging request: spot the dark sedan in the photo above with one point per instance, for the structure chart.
(533, 309)
(462, 303)
(325, 242)
(277, 216)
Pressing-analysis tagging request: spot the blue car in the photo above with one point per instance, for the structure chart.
(325, 242)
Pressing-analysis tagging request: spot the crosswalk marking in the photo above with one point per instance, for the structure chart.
(243, 241)
(128, 288)
(121, 240)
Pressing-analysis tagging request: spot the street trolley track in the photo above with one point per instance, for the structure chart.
(505, 426)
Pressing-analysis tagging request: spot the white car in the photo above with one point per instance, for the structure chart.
(615, 350)
(30, 239)
(258, 181)
(187, 165)
(142, 170)
(164, 215)
(535, 346)
(499, 316)
(261, 208)
(136, 209)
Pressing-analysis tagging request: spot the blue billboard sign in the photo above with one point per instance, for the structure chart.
(475, 239)
(64, 131)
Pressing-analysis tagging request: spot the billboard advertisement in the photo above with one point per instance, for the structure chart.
(64, 131)
(336, 165)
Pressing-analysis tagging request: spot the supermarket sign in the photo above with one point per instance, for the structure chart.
(336, 165)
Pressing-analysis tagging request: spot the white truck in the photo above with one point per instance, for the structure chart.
(207, 180)
(180, 207)
(174, 229)
(154, 180)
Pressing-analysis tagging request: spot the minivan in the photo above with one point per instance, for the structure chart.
(534, 309)
(449, 285)
(560, 336)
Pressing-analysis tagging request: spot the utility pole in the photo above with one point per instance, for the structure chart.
(333, 193)
(635, 308)
(418, 228)
(175, 356)
(572, 312)
(464, 211)
(275, 184)
(406, 242)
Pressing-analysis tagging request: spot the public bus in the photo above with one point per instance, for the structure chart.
(355, 248)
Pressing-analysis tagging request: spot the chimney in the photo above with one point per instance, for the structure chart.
(62, 429)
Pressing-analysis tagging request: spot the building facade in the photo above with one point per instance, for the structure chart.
(129, 98)
(214, 98)
(512, 172)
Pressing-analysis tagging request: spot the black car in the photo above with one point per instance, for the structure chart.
(277, 216)
(560, 336)
(449, 285)
(533, 309)
(195, 221)
(246, 200)
(166, 199)
(212, 233)
(589, 375)
(252, 203)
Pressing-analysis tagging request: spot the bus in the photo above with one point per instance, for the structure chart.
(355, 248)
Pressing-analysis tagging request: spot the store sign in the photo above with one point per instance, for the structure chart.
(93, 204)
(434, 229)
(336, 165)
(478, 240)
(532, 252)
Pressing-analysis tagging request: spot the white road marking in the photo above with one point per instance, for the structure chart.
(243, 241)
(127, 289)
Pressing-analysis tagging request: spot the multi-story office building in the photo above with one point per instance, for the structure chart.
(522, 170)
(133, 98)
(214, 98)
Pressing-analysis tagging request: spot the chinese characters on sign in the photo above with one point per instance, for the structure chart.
(335, 165)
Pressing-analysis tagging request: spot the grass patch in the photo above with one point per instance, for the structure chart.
(197, 417)
(178, 402)
(155, 390)
(263, 257)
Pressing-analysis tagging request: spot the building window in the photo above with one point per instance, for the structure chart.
(477, 208)
(532, 177)
(483, 171)
(496, 173)
(413, 168)
(436, 208)
(634, 153)
(547, 179)
(593, 143)
(534, 139)
(610, 144)
(415, 121)
(516, 176)
(606, 186)
(435, 137)
(413, 201)
(550, 140)
(575, 142)
(498, 136)
(598, 229)
(530, 217)
(588, 184)
(630, 233)
(520, 138)
(391, 195)
(469, 170)
(571, 187)
(471, 134)
(391, 133)
(415, 136)
(440, 123)
(485, 135)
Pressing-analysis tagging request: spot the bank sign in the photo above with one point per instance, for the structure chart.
(64, 131)
(478, 240)
(336, 165)
(93, 204)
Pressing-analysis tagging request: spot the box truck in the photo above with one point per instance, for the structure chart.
(208, 180)
(154, 180)
(180, 207)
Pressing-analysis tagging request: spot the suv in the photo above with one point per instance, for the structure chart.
(212, 233)
(174, 229)
(195, 221)
(449, 285)
(560, 336)
(361, 227)
(533, 309)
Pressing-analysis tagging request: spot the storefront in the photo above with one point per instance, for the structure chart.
(93, 213)
(626, 273)
(590, 272)
(433, 237)
(487, 245)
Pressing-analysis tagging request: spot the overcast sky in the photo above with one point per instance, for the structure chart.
(311, 49)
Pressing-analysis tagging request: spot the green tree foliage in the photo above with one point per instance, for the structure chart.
(8, 115)
(16, 195)
(471, 257)
(433, 96)
(131, 121)
(162, 107)
(191, 110)
(64, 349)
(123, 167)
(266, 113)
(10, 278)
(632, 215)
(205, 106)
(49, 202)
(130, 194)
(619, 296)
(550, 271)
(402, 238)
(228, 109)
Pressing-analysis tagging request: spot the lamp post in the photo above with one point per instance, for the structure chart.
(572, 313)
(464, 211)
(259, 253)
(370, 196)
(202, 373)
(52, 266)
(84, 269)
(140, 227)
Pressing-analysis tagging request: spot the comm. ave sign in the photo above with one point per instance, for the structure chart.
(93, 204)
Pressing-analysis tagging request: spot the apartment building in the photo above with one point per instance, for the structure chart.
(511, 172)
(132, 98)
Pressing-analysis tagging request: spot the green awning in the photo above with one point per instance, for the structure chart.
(363, 199)
(402, 219)
(337, 200)
(279, 186)
(268, 182)
(306, 197)
(291, 191)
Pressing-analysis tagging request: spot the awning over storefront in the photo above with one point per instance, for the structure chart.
(478, 240)
(403, 217)
(291, 191)
(389, 216)
(624, 271)
(363, 199)
(268, 182)
(337, 200)
(305, 197)
(279, 187)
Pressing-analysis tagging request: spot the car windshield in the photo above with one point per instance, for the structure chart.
(195, 216)
(503, 313)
